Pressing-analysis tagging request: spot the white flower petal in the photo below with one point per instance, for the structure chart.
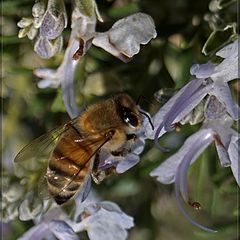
(125, 36)
(128, 33)
(234, 153)
(202, 70)
(229, 50)
(44, 47)
(102, 40)
(222, 91)
(25, 22)
(227, 70)
(62, 230)
(110, 206)
(107, 225)
(127, 163)
(166, 172)
(37, 232)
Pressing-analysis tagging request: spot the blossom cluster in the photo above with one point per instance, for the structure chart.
(122, 40)
(210, 89)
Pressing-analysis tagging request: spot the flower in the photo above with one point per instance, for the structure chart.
(53, 223)
(211, 79)
(135, 30)
(83, 28)
(103, 220)
(216, 128)
(123, 39)
(210, 95)
(49, 24)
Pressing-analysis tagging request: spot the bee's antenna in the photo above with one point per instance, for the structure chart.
(143, 113)
(149, 119)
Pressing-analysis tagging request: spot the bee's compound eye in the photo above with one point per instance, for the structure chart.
(131, 119)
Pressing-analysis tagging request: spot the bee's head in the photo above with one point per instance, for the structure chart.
(128, 110)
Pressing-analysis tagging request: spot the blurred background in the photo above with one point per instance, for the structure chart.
(183, 27)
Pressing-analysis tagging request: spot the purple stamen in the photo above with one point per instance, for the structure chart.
(156, 143)
(181, 180)
(194, 90)
(186, 98)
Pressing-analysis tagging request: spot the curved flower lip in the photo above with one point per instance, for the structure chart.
(123, 39)
(189, 98)
(166, 172)
(181, 176)
(171, 109)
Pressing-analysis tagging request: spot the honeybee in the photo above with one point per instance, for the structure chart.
(74, 157)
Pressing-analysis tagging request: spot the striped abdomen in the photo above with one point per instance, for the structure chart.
(69, 166)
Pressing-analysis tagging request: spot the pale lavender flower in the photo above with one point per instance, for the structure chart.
(216, 128)
(53, 223)
(211, 79)
(125, 36)
(47, 25)
(135, 30)
(103, 220)
(83, 29)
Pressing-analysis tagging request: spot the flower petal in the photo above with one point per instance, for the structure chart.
(202, 70)
(229, 50)
(46, 48)
(127, 163)
(158, 117)
(101, 40)
(128, 33)
(166, 172)
(234, 153)
(106, 225)
(184, 100)
(87, 188)
(123, 39)
(62, 230)
(54, 20)
(222, 91)
(181, 176)
(38, 232)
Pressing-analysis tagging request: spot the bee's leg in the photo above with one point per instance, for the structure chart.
(98, 175)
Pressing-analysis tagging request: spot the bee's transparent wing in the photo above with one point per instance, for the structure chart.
(43, 192)
(40, 146)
